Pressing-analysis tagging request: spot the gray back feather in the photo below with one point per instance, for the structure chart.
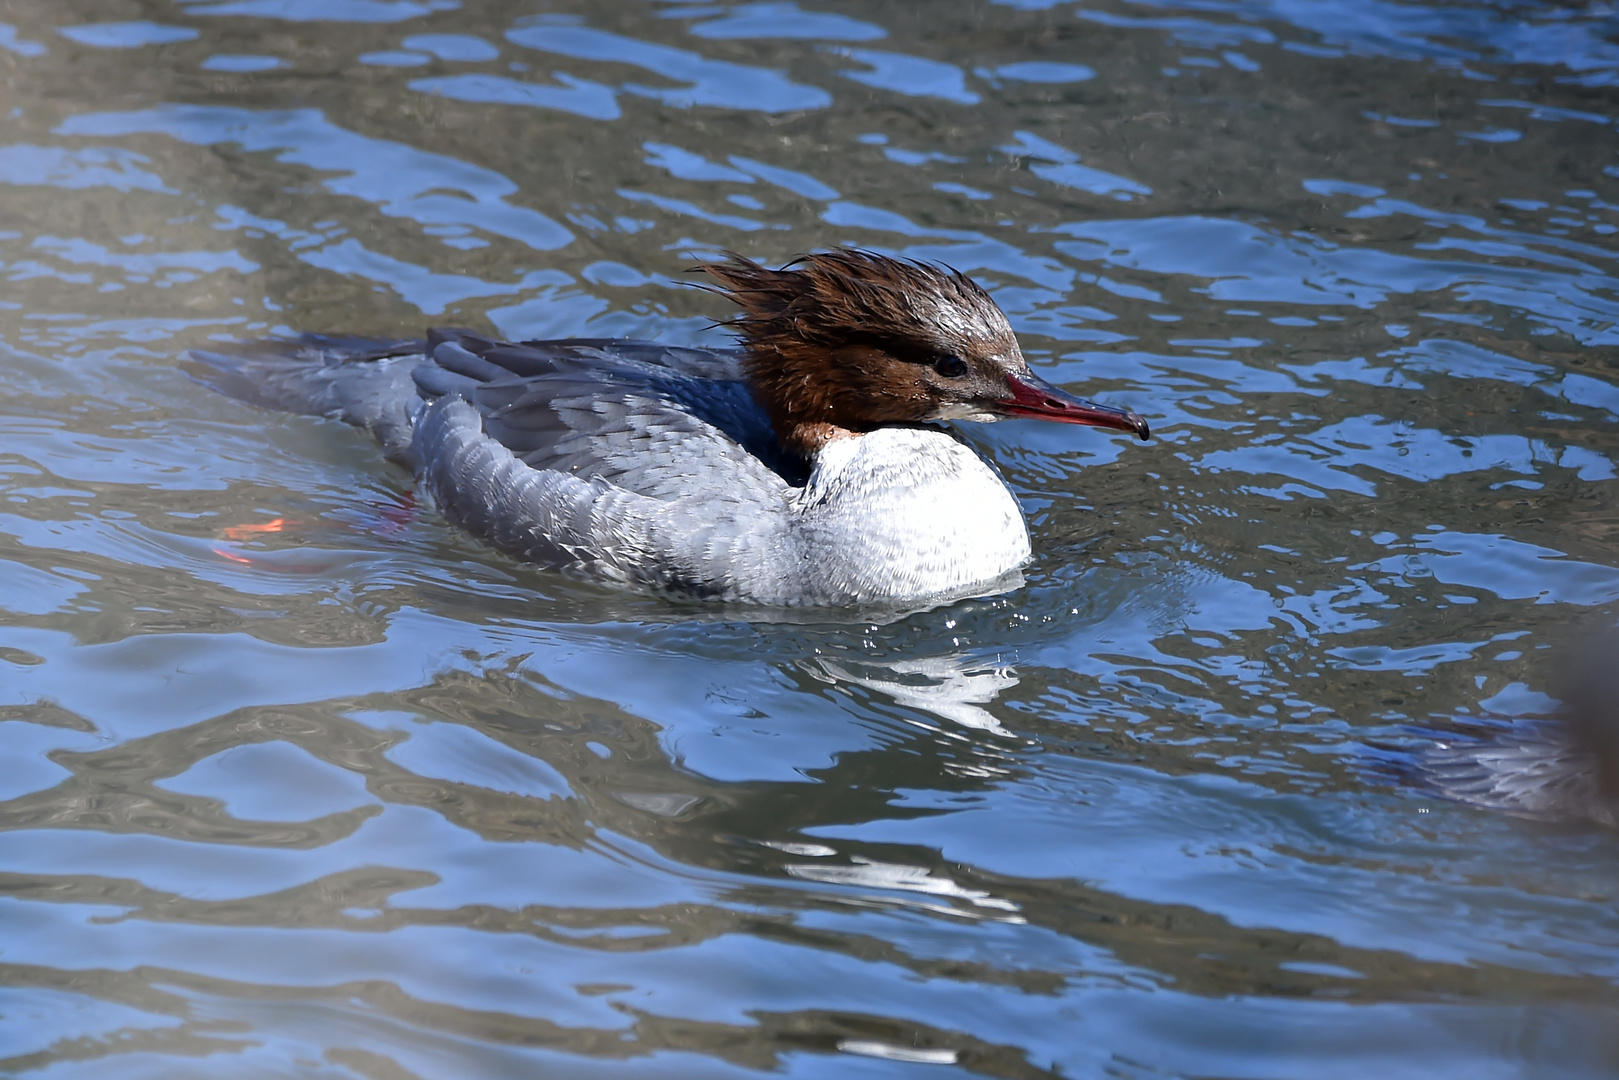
(617, 460)
(361, 381)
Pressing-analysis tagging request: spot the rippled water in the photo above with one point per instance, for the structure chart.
(297, 781)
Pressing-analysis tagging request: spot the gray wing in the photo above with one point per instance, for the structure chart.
(713, 541)
(623, 460)
(658, 420)
(619, 460)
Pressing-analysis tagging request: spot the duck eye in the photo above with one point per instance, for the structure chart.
(951, 367)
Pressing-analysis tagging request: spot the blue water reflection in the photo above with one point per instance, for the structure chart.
(294, 778)
(241, 62)
(913, 76)
(352, 11)
(1246, 263)
(782, 20)
(1061, 167)
(126, 35)
(1497, 34)
(401, 180)
(59, 167)
(578, 96)
(461, 48)
(707, 82)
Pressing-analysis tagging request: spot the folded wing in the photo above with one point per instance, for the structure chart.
(624, 460)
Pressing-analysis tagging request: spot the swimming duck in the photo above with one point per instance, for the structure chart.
(808, 467)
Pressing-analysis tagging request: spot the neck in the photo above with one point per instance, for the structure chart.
(810, 438)
(807, 409)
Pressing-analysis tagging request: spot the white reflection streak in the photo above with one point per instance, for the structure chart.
(957, 690)
(890, 1052)
(918, 879)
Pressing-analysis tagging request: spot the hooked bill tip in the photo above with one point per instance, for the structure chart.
(1031, 396)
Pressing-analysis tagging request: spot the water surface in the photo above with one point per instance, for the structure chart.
(298, 781)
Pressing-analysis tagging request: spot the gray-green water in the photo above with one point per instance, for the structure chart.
(297, 781)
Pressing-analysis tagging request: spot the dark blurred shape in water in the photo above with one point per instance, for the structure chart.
(1561, 768)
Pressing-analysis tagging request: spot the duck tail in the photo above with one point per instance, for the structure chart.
(361, 381)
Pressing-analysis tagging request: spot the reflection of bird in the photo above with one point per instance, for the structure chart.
(806, 468)
(1565, 768)
(946, 686)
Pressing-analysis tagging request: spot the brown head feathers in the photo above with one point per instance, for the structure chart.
(844, 341)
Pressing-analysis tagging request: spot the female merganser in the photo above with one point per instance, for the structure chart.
(807, 467)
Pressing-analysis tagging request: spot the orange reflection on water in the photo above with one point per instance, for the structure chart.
(242, 532)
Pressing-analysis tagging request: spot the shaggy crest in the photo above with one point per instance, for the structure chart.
(832, 297)
(841, 342)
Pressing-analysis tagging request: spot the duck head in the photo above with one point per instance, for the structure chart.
(842, 342)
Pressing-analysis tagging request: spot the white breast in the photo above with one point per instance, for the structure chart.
(904, 513)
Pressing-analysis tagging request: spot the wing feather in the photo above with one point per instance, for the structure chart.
(618, 460)
(637, 414)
